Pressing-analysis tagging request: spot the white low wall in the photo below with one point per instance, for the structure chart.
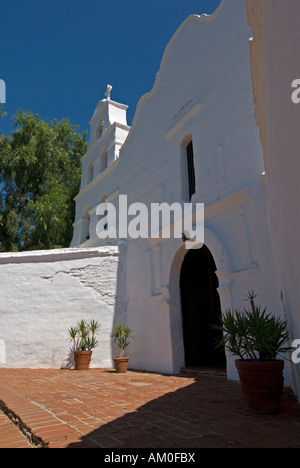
(44, 293)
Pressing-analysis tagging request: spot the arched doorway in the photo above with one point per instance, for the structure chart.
(201, 308)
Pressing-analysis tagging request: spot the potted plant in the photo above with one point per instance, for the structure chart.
(83, 337)
(257, 339)
(122, 335)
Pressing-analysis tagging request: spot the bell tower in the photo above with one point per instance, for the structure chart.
(108, 128)
(108, 132)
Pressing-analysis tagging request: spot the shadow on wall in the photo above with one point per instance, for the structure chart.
(106, 282)
(209, 412)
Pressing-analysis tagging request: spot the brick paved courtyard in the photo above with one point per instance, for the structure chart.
(101, 409)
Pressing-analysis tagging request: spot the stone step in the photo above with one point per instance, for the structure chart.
(221, 371)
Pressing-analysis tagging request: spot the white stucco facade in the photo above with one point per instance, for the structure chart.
(202, 93)
(210, 91)
(275, 55)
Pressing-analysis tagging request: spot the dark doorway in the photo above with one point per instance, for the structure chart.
(201, 308)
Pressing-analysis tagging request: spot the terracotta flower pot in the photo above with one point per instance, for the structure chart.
(262, 384)
(82, 359)
(121, 364)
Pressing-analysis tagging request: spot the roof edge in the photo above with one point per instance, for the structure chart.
(203, 18)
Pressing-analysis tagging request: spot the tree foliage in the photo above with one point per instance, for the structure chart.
(2, 112)
(40, 176)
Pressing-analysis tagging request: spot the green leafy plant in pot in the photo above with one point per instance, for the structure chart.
(256, 339)
(83, 337)
(122, 335)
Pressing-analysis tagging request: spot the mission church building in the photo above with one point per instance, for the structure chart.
(194, 138)
(209, 132)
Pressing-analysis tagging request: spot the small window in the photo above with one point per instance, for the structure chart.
(85, 225)
(191, 169)
(90, 173)
(103, 160)
(99, 130)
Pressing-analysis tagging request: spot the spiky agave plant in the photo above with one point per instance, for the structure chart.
(253, 333)
(83, 335)
(122, 335)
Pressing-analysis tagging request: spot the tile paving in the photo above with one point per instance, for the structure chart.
(101, 409)
(10, 435)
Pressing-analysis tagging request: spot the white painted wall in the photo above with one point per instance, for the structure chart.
(44, 293)
(276, 36)
(283, 142)
(203, 91)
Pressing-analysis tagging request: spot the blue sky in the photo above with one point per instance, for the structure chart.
(57, 56)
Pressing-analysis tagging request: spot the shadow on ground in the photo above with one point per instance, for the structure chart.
(207, 413)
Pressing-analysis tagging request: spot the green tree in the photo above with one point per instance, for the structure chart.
(40, 176)
(2, 112)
